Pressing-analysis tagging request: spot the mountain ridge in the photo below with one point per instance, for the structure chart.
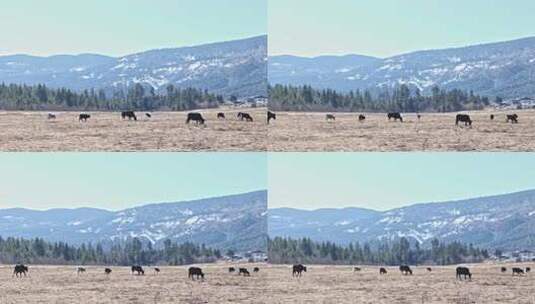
(495, 221)
(494, 69)
(236, 221)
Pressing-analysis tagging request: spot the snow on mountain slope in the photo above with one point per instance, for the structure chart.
(236, 221)
(504, 69)
(502, 221)
(234, 67)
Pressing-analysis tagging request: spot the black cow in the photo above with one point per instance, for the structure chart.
(231, 269)
(518, 271)
(382, 271)
(491, 116)
(195, 272)
(83, 117)
(196, 117)
(429, 269)
(220, 115)
(130, 114)
(528, 269)
(463, 118)
(157, 270)
(256, 269)
(270, 116)
(362, 117)
(51, 116)
(463, 272)
(405, 269)
(244, 271)
(298, 270)
(503, 269)
(418, 116)
(395, 115)
(107, 271)
(246, 116)
(138, 269)
(356, 269)
(80, 270)
(148, 115)
(513, 118)
(20, 269)
(330, 117)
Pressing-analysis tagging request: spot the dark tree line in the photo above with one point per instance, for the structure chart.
(398, 99)
(137, 97)
(134, 251)
(290, 251)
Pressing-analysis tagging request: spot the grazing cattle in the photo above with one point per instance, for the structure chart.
(463, 272)
(80, 270)
(298, 270)
(405, 269)
(246, 116)
(256, 269)
(418, 116)
(157, 270)
(51, 116)
(395, 115)
(83, 117)
(107, 271)
(504, 269)
(429, 269)
(356, 269)
(148, 115)
(270, 116)
(513, 118)
(491, 116)
(196, 117)
(20, 269)
(528, 269)
(138, 269)
(518, 271)
(129, 114)
(382, 270)
(195, 272)
(329, 117)
(220, 115)
(463, 118)
(362, 117)
(231, 269)
(244, 271)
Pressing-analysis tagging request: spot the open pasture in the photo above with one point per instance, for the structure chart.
(107, 131)
(298, 131)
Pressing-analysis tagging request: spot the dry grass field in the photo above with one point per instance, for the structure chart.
(293, 131)
(61, 284)
(106, 131)
(339, 284)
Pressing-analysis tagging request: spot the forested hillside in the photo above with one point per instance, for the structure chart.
(288, 251)
(398, 99)
(138, 97)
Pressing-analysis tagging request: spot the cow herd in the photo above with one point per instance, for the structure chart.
(194, 117)
(461, 272)
(194, 273)
(459, 118)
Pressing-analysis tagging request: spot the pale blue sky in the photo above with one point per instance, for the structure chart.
(120, 27)
(383, 181)
(389, 27)
(120, 180)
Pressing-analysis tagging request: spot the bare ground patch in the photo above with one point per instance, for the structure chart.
(106, 131)
(294, 131)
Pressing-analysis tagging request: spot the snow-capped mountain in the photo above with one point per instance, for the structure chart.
(236, 221)
(236, 67)
(502, 221)
(503, 69)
